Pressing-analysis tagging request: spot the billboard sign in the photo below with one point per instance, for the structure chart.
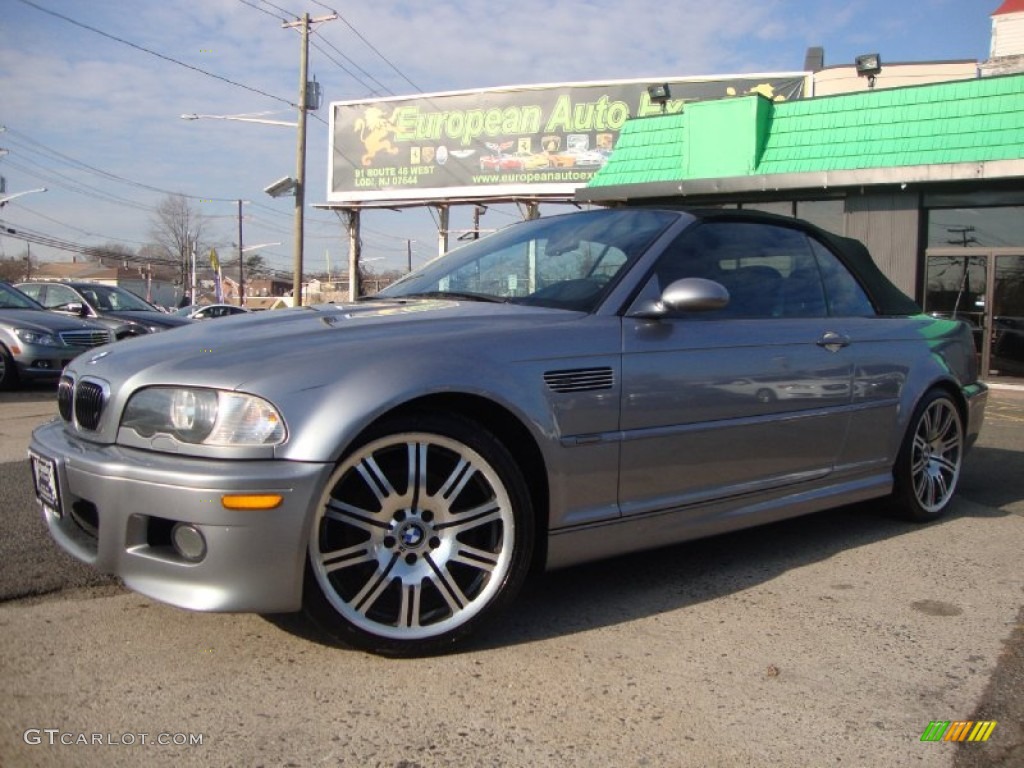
(528, 140)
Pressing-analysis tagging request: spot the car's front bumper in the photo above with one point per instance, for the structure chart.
(118, 505)
(38, 362)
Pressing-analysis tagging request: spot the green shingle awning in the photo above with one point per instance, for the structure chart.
(966, 129)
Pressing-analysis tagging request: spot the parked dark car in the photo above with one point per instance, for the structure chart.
(122, 311)
(566, 389)
(36, 344)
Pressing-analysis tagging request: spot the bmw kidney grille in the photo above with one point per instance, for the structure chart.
(84, 401)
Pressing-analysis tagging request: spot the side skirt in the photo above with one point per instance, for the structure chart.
(571, 546)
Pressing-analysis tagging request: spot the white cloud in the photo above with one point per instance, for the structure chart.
(116, 108)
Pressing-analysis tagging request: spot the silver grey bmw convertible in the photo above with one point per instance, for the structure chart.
(569, 388)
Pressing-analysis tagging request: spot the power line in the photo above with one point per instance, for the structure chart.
(279, 8)
(19, 136)
(261, 10)
(54, 179)
(382, 56)
(154, 53)
(373, 91)
(77, 229)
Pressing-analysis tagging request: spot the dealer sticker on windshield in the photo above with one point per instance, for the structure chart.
(44, 476)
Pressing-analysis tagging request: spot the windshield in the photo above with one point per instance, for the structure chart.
(567, 262)
(112, 299)
(12, 298)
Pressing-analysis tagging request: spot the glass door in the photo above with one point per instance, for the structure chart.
(984, 288)
(956, 286)
(1007, 337)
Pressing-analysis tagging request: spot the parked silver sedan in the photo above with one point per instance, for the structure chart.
(561, 391)
(36, 344)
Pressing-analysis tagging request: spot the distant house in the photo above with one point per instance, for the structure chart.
(268, 302)
(267, 286)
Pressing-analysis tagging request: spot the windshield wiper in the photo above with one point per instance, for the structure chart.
(454, 295)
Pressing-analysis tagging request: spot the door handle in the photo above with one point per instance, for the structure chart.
(833, 341)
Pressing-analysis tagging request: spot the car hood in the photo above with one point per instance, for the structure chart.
(45, 321)
(304, 345)
(148, 318)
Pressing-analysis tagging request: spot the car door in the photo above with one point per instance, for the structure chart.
(881, 349)
(733, 401)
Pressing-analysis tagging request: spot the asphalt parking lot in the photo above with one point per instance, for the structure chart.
(830, 640)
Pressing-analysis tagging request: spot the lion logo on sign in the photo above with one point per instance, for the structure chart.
(373, 129)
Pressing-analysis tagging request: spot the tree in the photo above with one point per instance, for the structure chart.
(256, 265)
(178, 228)
(14, 270)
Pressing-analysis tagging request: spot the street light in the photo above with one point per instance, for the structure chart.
(241, 264)
(286, 185)
(309, 98)
(7, 198)
(252, 117)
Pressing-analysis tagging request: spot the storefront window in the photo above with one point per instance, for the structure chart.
(781, 207)
(827, 214)
(976, 227)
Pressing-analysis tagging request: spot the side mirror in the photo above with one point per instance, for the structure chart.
(691, 294)
(76, 308)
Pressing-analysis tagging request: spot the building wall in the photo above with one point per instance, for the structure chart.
(844, 79)
(1007, 35)
(888, 222)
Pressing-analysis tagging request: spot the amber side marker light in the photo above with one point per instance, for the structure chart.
(255, 501)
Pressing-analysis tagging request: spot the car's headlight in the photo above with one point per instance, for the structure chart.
(35, 337)
(204, 416)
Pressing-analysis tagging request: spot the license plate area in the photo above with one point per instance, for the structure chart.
(47, 486)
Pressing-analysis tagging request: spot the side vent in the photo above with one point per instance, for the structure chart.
(580, 380)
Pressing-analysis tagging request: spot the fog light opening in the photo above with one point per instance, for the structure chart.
(188, 542)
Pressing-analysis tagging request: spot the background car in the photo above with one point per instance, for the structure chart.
(560, 391)
(502, 163)
(36, 344)
(208, 311)
(120, 310)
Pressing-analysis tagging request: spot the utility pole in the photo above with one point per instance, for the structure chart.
(194, 297)
(408, 255)
(241, 260)
(962, 232)
(300, 148)
(477, 211)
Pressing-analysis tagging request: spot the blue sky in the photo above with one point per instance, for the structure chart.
(71, 97)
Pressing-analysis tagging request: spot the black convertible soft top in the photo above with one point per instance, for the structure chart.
(887, 298)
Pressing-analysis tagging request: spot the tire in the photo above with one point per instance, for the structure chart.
(928, 466)
(8, 370)
(424, 533)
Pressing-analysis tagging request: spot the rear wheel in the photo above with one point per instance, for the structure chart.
(424, 533)
(928, 466)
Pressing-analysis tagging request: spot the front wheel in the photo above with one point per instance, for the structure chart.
(8, 370)
(928, 466)
(424, 532)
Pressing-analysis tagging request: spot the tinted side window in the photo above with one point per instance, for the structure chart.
(31, 290)
(845, 296)
(60, 295)
(769, 271)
